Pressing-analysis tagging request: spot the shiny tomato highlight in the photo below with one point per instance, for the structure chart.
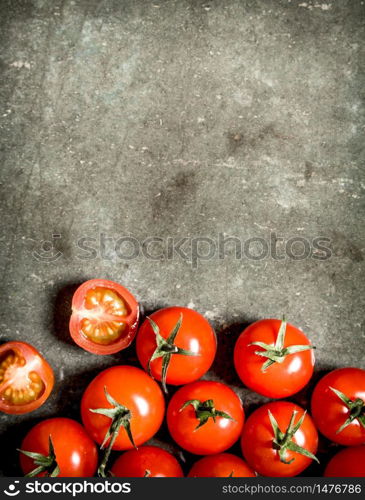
(75, 453)
(147, 461)
(104, 317)
(286, 376)
(195, 336)
(341, 420)
(26, 379)
(221, 465)
(205, 417)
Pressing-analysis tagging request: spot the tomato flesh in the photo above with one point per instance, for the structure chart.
(26, 379)
(104, 317)
(98, 321)
(20, 385)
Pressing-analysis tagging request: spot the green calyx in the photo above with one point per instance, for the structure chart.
(356, 407)
(277, 353)
(120, 417)
(204, 410)
(45, 463)
(165, 349)
(283, 441)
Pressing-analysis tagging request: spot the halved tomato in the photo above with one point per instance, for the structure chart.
(26, 379)
(104, 317)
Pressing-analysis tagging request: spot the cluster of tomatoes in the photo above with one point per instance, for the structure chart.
(124, 406)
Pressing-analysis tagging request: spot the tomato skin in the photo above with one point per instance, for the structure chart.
(257, 437)
(34, 362)
(212, 437)
(280, 380)
(195, 335)
(134, 389)
(329, 412)
(221, 465)
(155, 460)
(76, 453)
(349, 462)
(131, 319)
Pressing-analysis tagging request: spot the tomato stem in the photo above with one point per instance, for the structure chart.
(356, 407)
(204, 410)
(277, 353)
(165, 349)
(120, 416)
(283, 441)
(46, 463)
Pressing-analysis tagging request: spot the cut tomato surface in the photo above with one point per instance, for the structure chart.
(26, 379)
(104, 317)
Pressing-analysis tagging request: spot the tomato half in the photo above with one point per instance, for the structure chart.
(289, 371)
(137, 392)
(349, 462)
(104, 317)
(188, 355)
(26, 379)
(279, 455)
(147, 461)
(338, 406)
(75, 453)
(205, 417)
(221, 465)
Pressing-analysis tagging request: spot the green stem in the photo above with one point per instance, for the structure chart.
(277, 353)
(204, 410)
(165, 349)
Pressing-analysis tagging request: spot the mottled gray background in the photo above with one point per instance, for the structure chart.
(180, 119)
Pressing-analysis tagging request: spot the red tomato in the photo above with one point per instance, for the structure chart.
(291, 367)
(26, 379)
(221, 465)
(275, 455)
(74, 452)
(104, 317)
(349, 462)
(187, 359)
(341, 420)
(147, 461)
(136, 392)
(205, 417)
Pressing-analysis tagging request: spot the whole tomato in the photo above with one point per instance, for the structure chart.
(221, 465)
(121, 409)
(26, 379)
(205, 417)
(279, 440)
(104, 317)
(274, 358)
(338, 406)
(176, 345)
(349, 462)
(147, 461)
(58, 447)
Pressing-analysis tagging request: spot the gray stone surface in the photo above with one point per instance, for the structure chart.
(178, 119)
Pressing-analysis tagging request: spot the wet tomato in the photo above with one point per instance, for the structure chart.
(274, 358)
(58, 447)
(349, 462)
(338, 406)
(221, 465)
(176, 345)
(26, 379)
(104, 317)
(279, 440)
(147, 461)
(205, 417)
(122, 408)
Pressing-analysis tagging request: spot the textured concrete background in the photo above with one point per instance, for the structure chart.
(180, 119)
